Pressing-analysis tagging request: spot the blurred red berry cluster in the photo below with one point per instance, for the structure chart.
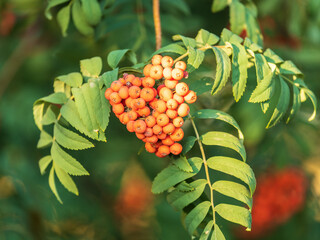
(278, 196)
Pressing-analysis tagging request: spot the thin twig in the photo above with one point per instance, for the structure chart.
(157, 22)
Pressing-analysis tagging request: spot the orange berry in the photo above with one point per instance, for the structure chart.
(132, 115)
(152, 139)
(122, 81)
(178, 98)
(162, 136)
(124, 92)
(177, 135)
(140, 126)
(115, 98)
(167, 61)
(134, 92)
(129, 78)
(156, 59)
(144, 112)
(181, 65)
(136, 82)
(153, 103)
(116, 85)
(130, 126)
(140, 135)
(107, 93)
(169, 128)
(146, 70)
(162, 120)
(165, 94)
(128, 102)
(191, 97)
(125, 118)
(172, 104)
(167, 73)
(148, 82)
(183, 110)
(150, 121)
(167, 141)
(158, 154)
(147, 94)
(177, 74)
(176, 148)
(139, 103)
(178, 122)
(150, 148)
(148, 132)
(155, 92)
(157, 130)
(172, 113)
(170, 83)
(160, 87)
(156, 72)
(164, 150)
(182, 89)
(160, 106)
(155, 114)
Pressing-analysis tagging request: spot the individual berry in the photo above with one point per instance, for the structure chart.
(150, 148)
(146, 70)
(140, 135)
(157, 130)
(155, 92)
(167, 61)
(115, 98)
(165, 94)
(167, 73)
(107, 93)
(172, 104)
(167, 141)
(147, 94)
(177, 135)
(129, 78)
(155, 114)
(128, 102)
(159, 154)
(150, 121)
(164, 150)
(116, 85)
(152, 139)
(134, 92)
(169, 128)
(177, 74)
(191, 97)
(140, 126)
(132, 115)
(162, 120)
(178, 98)
(139, 103)
(148, 82)
(182, 89)
(162, 136)
(148, 132)
(172, 113)
(124, 92)
(156, 72)
(156, 59)
(176, 148)
(144, 112)
(130, 126)
(122, 80)
(181, 65)
(136, 82)
(160, 87)
(183, 110)
(160, 106)
(178, 122)
(125, 118)
(170, 83)
(152, 103)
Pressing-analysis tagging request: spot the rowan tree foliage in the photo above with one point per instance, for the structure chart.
(76, 115)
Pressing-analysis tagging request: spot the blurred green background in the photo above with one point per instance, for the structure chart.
(115, 201)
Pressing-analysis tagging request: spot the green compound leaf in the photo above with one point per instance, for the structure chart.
(172, 175)
(195, 57)
(69, 139)
(220, 115)
(50, 115)
(63, 18)
(282, 105)
(55, 98)
(45, 139)
(59, 86)
(91, 67)
(196, 216)
(253, 29)
(51, 4)
(53, 185)
(92, 11)
(66, 180)
(66, 162)
(219, 5)
(228, 36)
(296, 102)
(272, 57)
(44, 163)
(217, 233)
(239, 70)
(188, 42)
(187, 144)
(183, 164)
(223, 70)
(171, 48)
(38, 108)
(234, 167)
(237, 17)
(179, 199)
(116, 56)
(224, 140)
(206, 231)
(79, 19)
(236, 214)
(234, 190)
(289, 68)
(72, 79)
(204, 37)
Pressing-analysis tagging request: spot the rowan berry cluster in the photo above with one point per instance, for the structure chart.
(153, 106)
